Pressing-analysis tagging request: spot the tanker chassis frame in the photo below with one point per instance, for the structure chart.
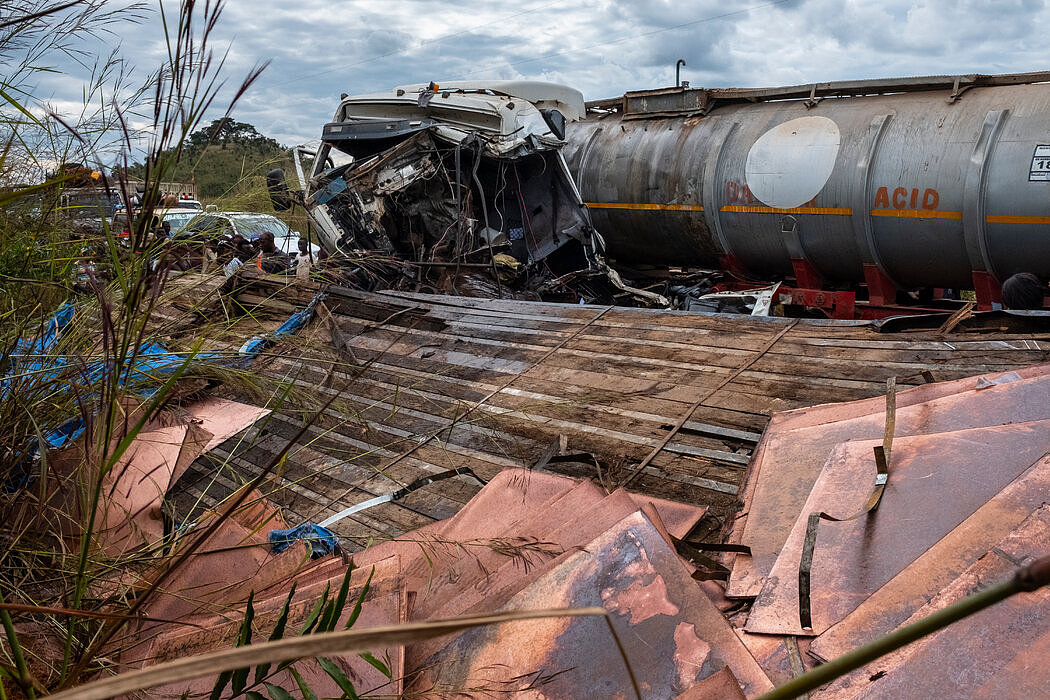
(809, 293)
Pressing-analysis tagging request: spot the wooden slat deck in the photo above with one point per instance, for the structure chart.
(490, 384)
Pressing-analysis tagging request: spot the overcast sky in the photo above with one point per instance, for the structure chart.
(319, 49)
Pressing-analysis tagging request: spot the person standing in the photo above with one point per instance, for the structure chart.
(303, 261)
(271, 259)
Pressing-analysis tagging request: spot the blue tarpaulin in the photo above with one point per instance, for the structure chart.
(30, 357)
(321, 540)
(145, 371)
(296, 321)
(51, 334)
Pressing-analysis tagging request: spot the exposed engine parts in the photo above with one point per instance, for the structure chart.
(469, 186)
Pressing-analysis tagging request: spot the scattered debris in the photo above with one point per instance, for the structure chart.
(753, 302)
(615, 384)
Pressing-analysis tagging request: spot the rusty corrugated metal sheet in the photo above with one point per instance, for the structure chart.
(782, 658)
(129, 512)
(222, 418)
(793, 454)
(526, 535)
(961, 510)
(673, 635)
(1000, 652)
(936, 481)
(721, 685)
(898, 600)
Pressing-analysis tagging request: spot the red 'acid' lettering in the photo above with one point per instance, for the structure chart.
(903, 194)
(882, 198)
(930, 199)
(901, 198)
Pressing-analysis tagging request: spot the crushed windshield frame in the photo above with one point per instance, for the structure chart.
(249, 226)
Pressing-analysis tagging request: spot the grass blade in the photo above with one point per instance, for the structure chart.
(304, 689)
(342, 642)
(277, 693)
(335, 608)
(278, 632)
(24, 679)
(377, 664)
(356, 612)
(220, 685)
(244, 637)
(337, 675)
(312, 618)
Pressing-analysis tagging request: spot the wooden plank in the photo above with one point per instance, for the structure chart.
(612, 387)
(717, 430)
(588, 436)
(672, 465)
(473, 441)
(315, 490)
(653, 398)
(573, 421)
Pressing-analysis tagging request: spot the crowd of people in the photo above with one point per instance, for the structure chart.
(231, 252)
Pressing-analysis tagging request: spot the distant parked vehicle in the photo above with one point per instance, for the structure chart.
(178, 217)
(89, 208)
(221, 226)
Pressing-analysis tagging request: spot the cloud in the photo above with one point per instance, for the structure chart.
(602, 47)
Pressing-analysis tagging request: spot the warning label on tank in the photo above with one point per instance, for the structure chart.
(1040, 169)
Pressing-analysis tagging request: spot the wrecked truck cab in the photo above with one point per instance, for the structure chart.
(464, 180)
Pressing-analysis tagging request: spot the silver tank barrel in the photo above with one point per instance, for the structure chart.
(944, 179)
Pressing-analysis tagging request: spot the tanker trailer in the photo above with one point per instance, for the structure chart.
(845, 191)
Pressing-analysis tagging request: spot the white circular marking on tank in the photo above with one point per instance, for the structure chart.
(790, 164)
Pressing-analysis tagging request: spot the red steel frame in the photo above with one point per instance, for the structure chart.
(808, 292)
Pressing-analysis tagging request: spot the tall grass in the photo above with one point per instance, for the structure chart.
(59, 624)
